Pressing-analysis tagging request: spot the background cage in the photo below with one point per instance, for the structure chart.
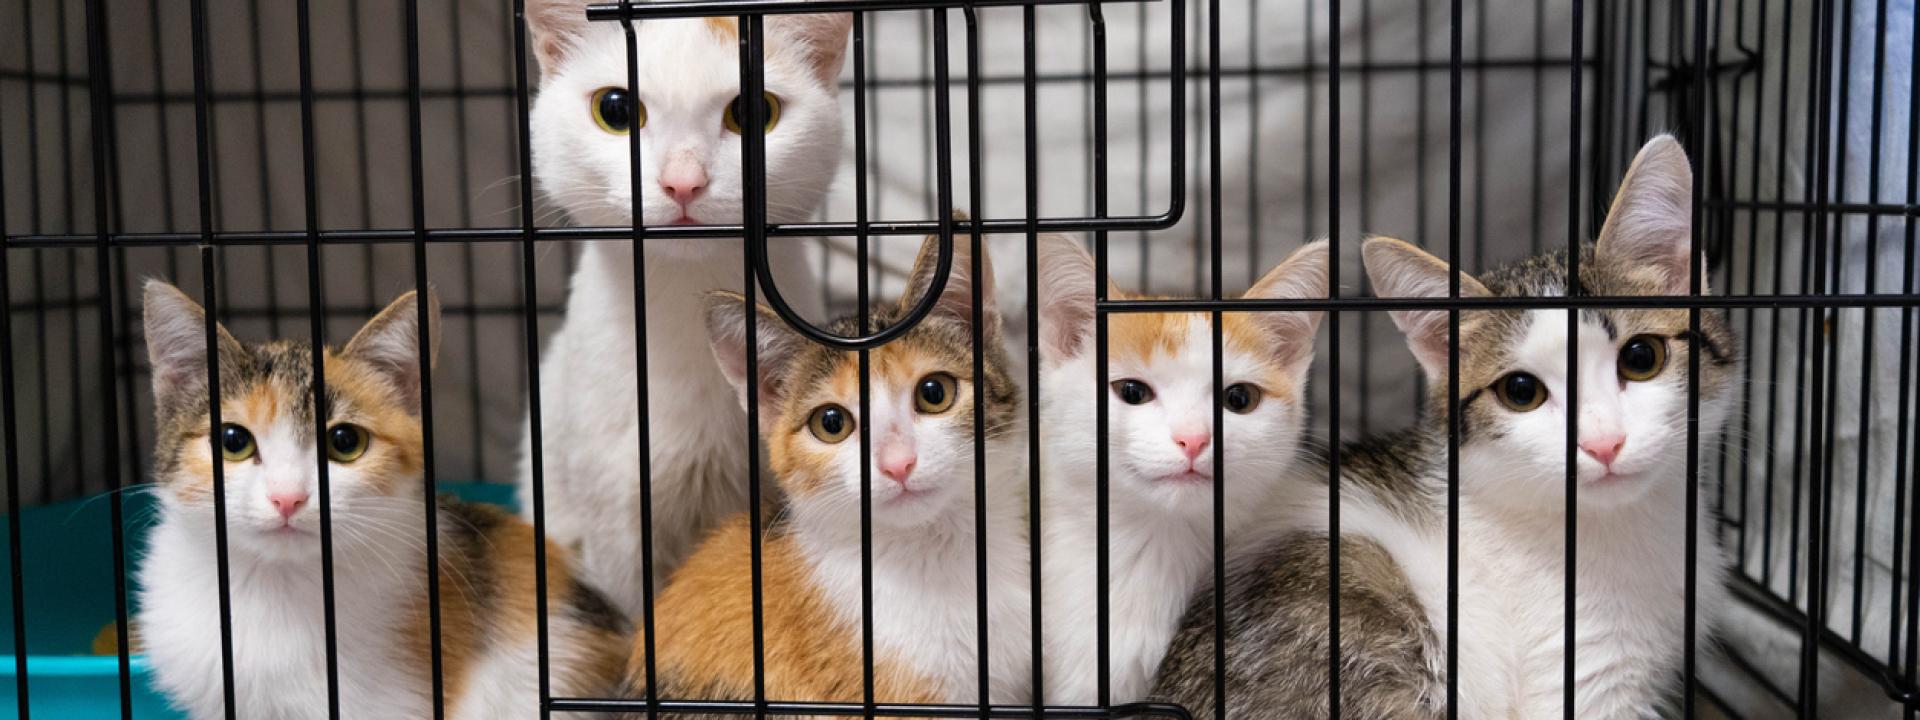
(1482, 130)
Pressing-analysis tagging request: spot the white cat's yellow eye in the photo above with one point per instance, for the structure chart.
(769, 109)
(1520, 391)
(1642, 357)
(1241, 398)
(830, 423)
(346, 442)
(935, 393)
(236, 444)
(617, 111)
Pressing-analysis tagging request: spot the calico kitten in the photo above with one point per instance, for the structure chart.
(923, 496)
(684, 109)
(1633, 377)
(267, 450)
(1160, 425)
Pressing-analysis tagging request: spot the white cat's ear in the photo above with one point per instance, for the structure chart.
(778, 346)
(390, 342)
(823, 39)
(1400, 270)
(1649, 228)
(956, 300)
(1302, 276)
(553, 27)
(1065, 295)
(176, 329)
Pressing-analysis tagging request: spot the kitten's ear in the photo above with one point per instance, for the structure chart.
(1302, 276)
(176, 329)
(390, 342)
(778, 346)
(1065, 295)
(956, 299)
(1649, 228)
(822, 38)
(1400, 270)
(553, 27)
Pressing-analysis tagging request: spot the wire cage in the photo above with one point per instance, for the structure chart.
(296, 164)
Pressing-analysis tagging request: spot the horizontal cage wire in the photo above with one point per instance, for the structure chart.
(294, 166)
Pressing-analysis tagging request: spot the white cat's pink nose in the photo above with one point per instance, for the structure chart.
(1604, 448)
(1192, 442)
(897, 463)
(683, 180)
(288, 503)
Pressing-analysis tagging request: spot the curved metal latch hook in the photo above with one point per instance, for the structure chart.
(943, 265)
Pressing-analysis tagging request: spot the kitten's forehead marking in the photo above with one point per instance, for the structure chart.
(1542, 348)
(1145, 340)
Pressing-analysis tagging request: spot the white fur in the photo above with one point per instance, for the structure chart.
(1631, 567)
(589, 394)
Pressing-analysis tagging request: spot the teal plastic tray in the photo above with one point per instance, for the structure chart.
(67, 559)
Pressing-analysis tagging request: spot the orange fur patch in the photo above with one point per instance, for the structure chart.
(510, 613)
(705, 623)
(727, 28)
(1141, 336)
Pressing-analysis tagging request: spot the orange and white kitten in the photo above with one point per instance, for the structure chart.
(923, 500)
(268, 452)
(1162, 441)
(683, 110)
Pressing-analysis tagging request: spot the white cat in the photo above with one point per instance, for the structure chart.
(683, 109)
(1160, 420)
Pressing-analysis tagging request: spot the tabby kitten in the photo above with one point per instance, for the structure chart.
(1513, 383)
(267, 449)
(1160, 425)
(923, 498)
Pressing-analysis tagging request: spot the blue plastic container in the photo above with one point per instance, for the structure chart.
(68, 565)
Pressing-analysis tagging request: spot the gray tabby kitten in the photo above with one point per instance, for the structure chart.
(1631, 469)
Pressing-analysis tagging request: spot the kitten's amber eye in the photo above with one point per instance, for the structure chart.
(346, 442)
(1132, 392)
(236, 444)
(1242, 398)
(769, 109)
(830, 423)
(1642, 357)
(617, 111)
(1520, 392)
(934, 394)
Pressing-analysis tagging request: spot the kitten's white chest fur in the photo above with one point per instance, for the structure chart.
(1154, 563)
(925, 609)
(277, 631)
(590, 415)
(1629, 621)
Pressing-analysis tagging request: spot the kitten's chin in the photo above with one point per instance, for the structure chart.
(898, 508)
(279, 544)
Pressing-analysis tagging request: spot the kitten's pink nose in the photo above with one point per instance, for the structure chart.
(1604, 448)
(684, 180)
(1192, 442)
(897, 463)
(288, 503)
